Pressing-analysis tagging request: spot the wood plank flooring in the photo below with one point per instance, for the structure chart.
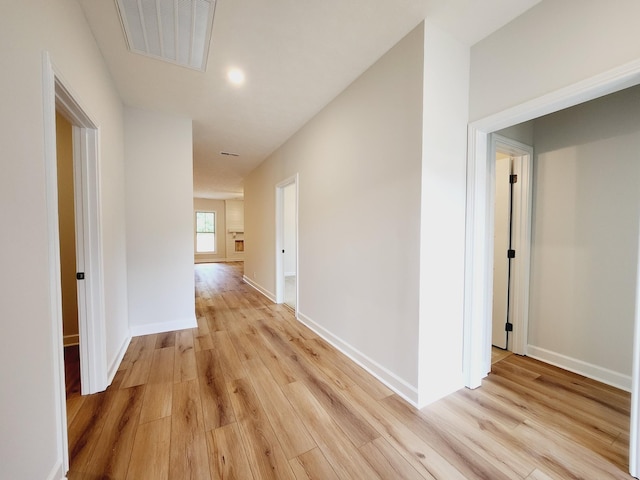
(252, 394)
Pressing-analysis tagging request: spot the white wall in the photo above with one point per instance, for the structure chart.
(359, 164)
(552, 45)
(218, 206)
(159, 186)
(27, 406)
(585, 235)
(442, 214)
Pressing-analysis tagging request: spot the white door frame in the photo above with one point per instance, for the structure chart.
(521, 237)
(478, 252)
(293, 180)
(93, 358)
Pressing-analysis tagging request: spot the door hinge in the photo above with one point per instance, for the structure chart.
(80, 276)
(511, 253)
(513, 178)
(508, 327)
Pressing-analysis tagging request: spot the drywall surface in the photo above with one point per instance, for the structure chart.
(234, 230)
(159, 184)
(522, 132)
(552, 45)
(585, 232)
(359, 164)
(442, 213)
(27, 29)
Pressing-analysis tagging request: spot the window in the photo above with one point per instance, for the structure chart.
(205, 232)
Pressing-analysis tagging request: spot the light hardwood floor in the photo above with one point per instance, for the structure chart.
(253, 394)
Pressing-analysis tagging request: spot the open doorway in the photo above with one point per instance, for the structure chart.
(287, 243)
(68, 270)
(478, 297)
(512, 203)
(57, 97)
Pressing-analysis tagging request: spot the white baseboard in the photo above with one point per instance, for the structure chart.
(390, 379)
(113, 368)
(259, 288)
(580, 367)
(161, 327)
(69, 340)
(56, 472)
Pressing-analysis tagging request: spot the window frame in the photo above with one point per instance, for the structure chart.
(196, 232)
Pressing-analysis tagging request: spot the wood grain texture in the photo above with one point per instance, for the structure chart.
(162, 365)
(253, 394)
(185, 359)
(264, 451)
(188, 456)
(86, 428)
(157, 401)
(291, 432)
(312, 465)
(110, 459)
(216, 406)
(387, 461)
(341, 453)
(227, 457)
(150, 454)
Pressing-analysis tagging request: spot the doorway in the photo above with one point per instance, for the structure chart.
(478, 268)
(68, 270)
(287, 243)
(512, 203)
(502, 246)
(57, 97)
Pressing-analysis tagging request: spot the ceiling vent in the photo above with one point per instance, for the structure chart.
(176, 31)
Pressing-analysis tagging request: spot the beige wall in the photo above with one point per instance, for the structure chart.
(554, 44)
(522, 132)
(159, 186)
(67, 229)
(218, 206)
(359, 164)
(234, 210)
(585, 236)
(442, 213)
(27, 29)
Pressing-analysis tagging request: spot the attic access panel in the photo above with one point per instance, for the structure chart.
(176, 31)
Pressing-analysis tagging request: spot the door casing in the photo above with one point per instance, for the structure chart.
(280, 280)
(478, 254)
(521, 210)
(93, 362)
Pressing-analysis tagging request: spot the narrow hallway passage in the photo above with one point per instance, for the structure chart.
(253, 394)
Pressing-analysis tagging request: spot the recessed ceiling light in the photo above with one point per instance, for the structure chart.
(235, 76)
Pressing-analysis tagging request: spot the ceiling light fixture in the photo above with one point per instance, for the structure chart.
(235, 76)
(176, 31)
(230, 154)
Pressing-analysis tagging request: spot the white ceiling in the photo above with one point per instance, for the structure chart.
(297, 56)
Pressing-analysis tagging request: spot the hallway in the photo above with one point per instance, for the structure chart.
(253, 394)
